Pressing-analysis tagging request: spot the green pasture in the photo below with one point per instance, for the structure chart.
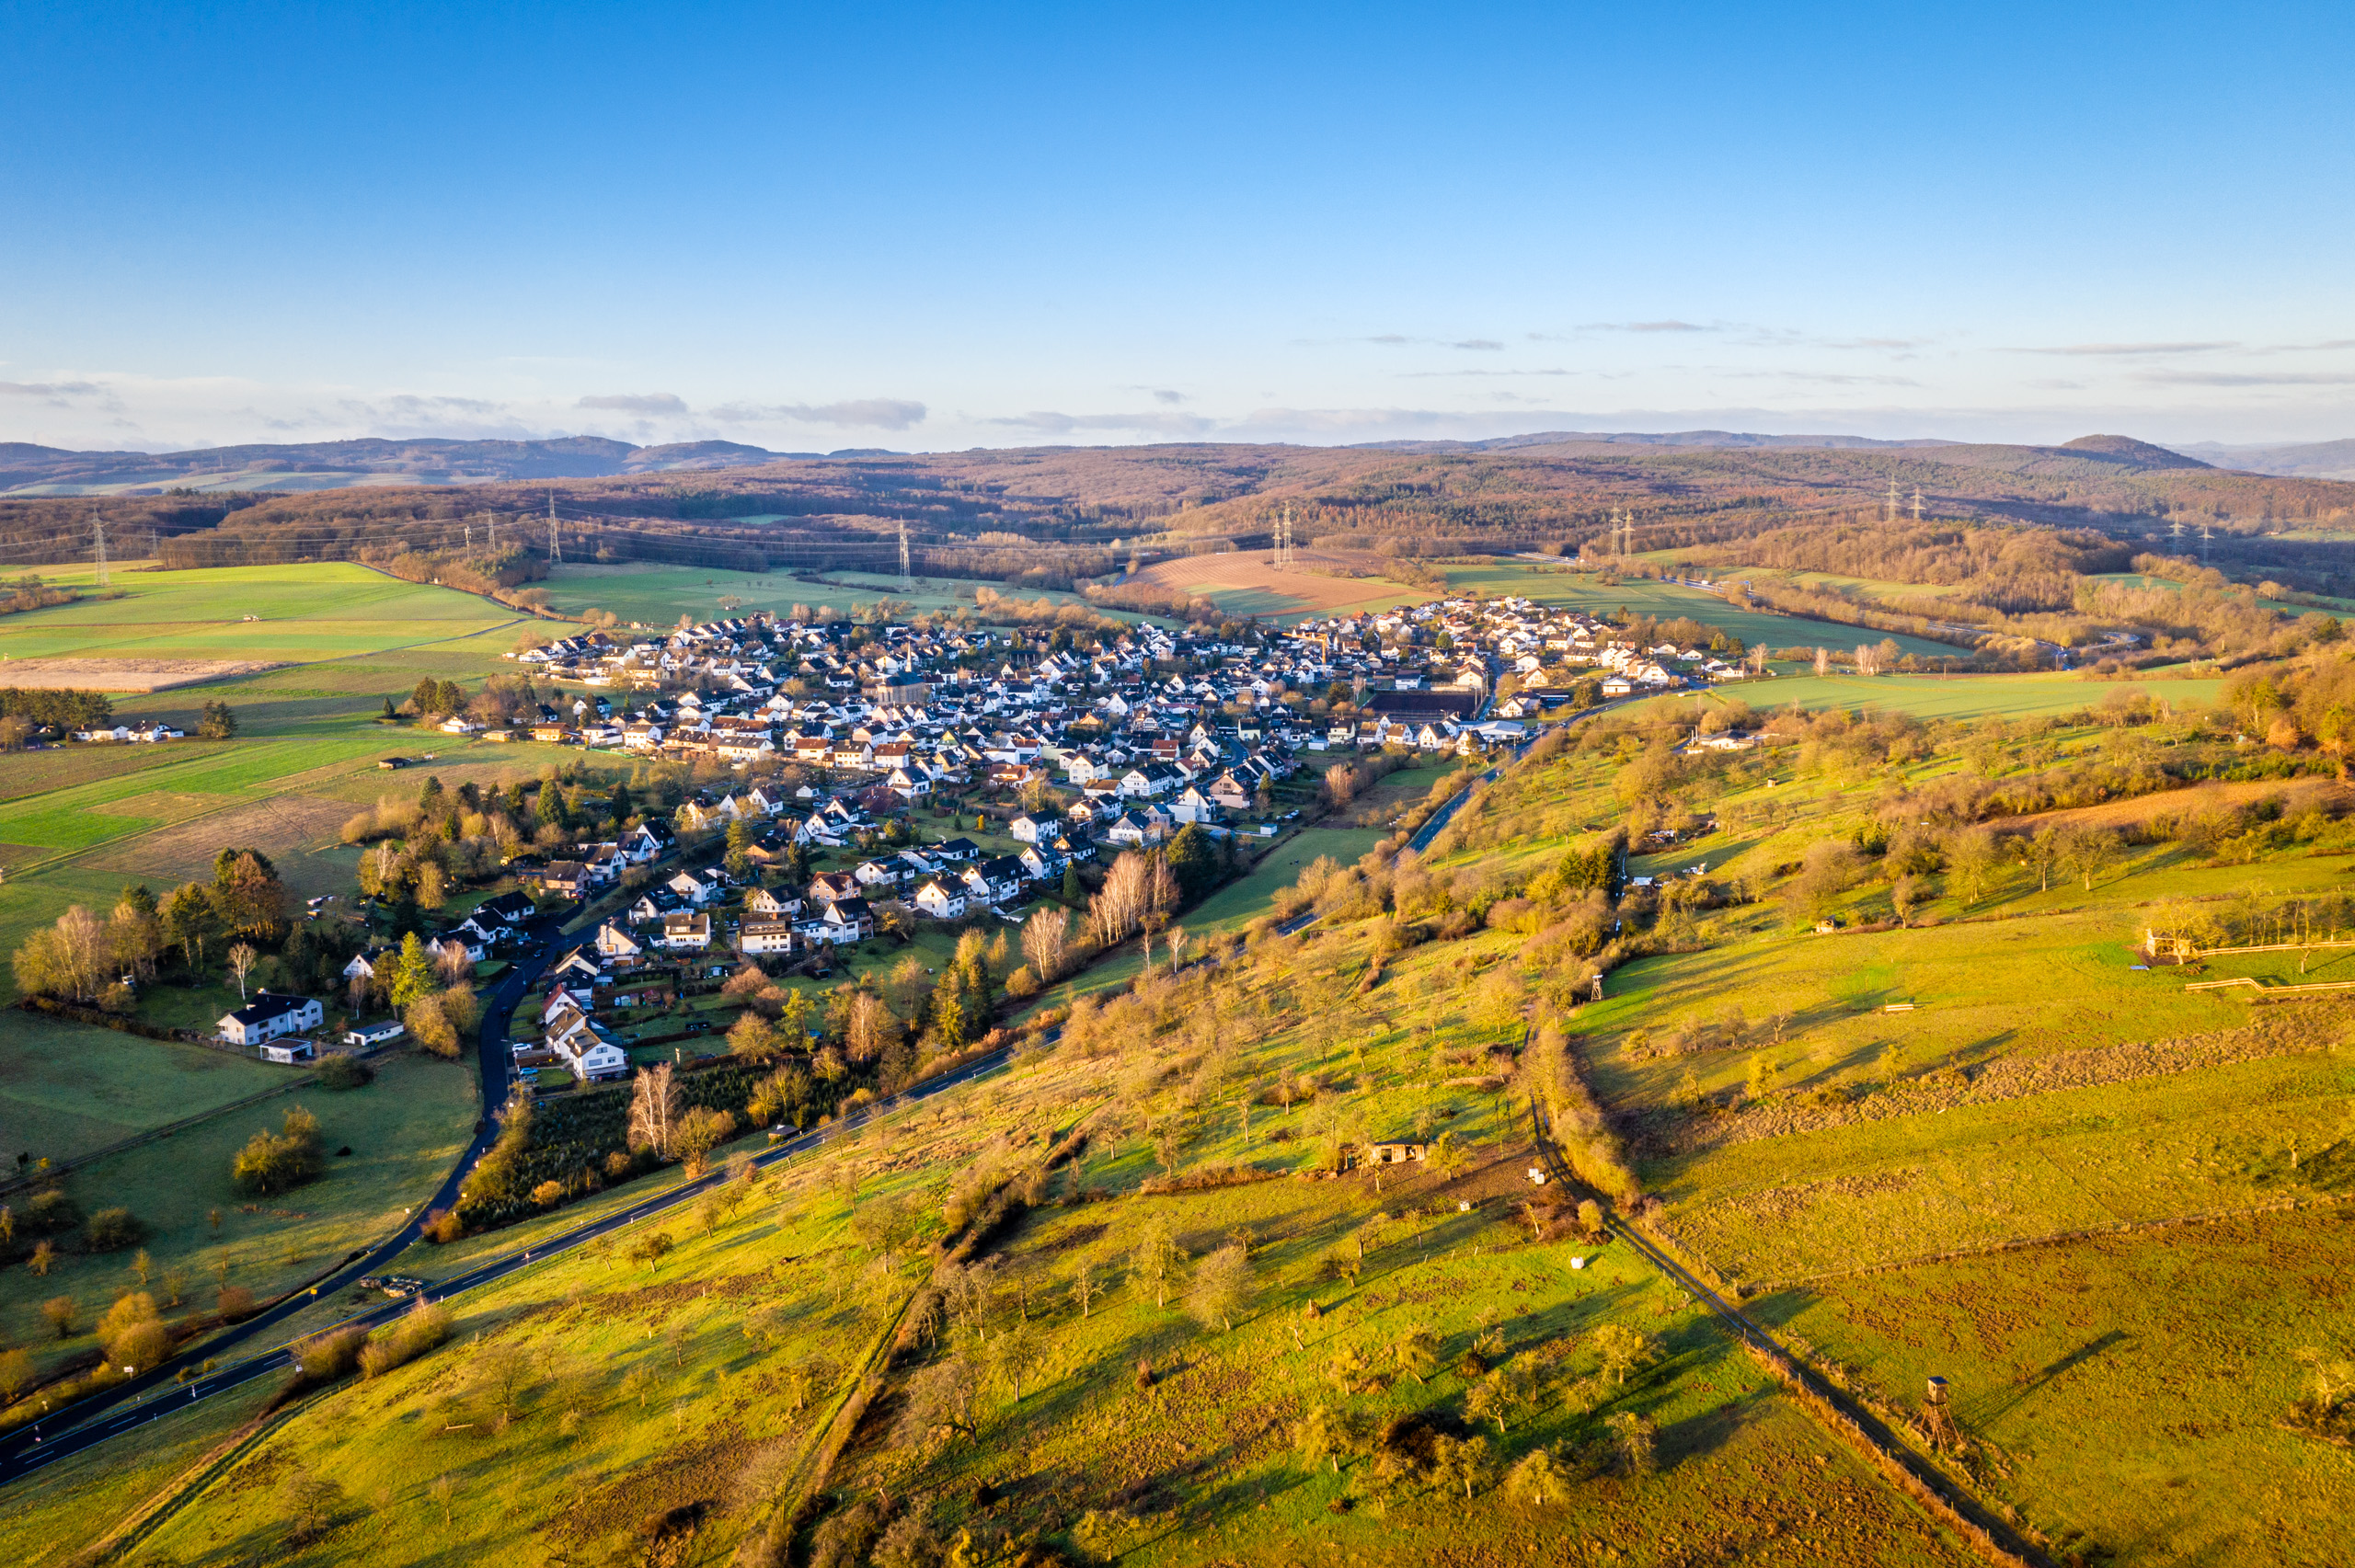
(2218, 1139)
(631, 1389)
(2179, 1349)
(304, 613)
(405, 1132)
(68, 1088)
(1642, 596)
(1946, 696)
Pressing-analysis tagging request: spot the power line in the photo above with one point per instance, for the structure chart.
(98, 523)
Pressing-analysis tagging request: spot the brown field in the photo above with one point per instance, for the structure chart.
(2296, 795)
(289, 828)
(1245, 580)
(127, 674)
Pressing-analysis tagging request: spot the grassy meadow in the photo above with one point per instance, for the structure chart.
(404, 1132)
(601, 1395)
(67, 1088)
(1641, 596)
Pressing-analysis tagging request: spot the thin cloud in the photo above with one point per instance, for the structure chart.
(2228, 378)
(1400, 341)
(1165, 395)
(2131, 349)
(1048, 422)
(865, 413)
(1670, 325)
(48, 388)
(636, 403)
(1419, 375)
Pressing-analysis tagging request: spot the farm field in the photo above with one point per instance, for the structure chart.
(1642, 596)
(303, 614)
(67, 1088)
(654, 595)
(404, 1130)
(1242, 582)
(2178, 1346)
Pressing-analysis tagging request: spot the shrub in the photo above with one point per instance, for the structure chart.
(426, 1326)
(272, 1162)
(443, 1226)
(112, 1229)
(344, 1072)
(327, 1356)
(236, 1303)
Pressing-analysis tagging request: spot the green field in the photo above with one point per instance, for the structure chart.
(405, 1132)
(620, 1391)
(1944, 696)
(67, 1088)
(304, 614)
(653, 595)
(1642, 596)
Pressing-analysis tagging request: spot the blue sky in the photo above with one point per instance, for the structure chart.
(930, 228)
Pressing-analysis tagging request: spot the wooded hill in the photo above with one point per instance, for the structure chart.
(1036, 513)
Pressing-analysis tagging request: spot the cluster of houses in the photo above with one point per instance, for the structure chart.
(1175, 717)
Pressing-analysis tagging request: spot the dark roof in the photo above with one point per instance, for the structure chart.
(1423, 704)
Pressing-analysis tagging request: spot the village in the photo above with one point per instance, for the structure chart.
(891, 779)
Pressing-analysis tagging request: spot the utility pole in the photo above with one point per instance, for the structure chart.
(1917, 503)
(2175, 530)
(1888, 513)
(907, 583)
(556, 545)
(98, 524)
(2206, 534)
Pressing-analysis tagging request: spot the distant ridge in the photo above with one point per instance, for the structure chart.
(27, 470)
(2300, 460)
(1722, 440)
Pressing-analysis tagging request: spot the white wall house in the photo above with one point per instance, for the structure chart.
(268, 1017)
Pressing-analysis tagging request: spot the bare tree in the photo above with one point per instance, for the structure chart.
(1221, 1286)
(654, 1110)
(1154, 1257)
(1085, 1288)
(1046, 939)
(242, 959)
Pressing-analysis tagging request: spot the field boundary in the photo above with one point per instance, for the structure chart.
(1945, 1499)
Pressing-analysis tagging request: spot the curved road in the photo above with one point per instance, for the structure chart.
(41, 1443)
(28, 1451)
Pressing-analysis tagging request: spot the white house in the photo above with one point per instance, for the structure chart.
(685, 930)
(614, 943)
(695, 888)
(268, 1017)
(364, 1036)
(765, 936)
(941, 903)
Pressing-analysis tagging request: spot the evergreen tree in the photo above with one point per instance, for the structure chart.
(412, 973)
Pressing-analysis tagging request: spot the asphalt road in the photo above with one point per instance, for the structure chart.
(79, 1424)
(24, 1457)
